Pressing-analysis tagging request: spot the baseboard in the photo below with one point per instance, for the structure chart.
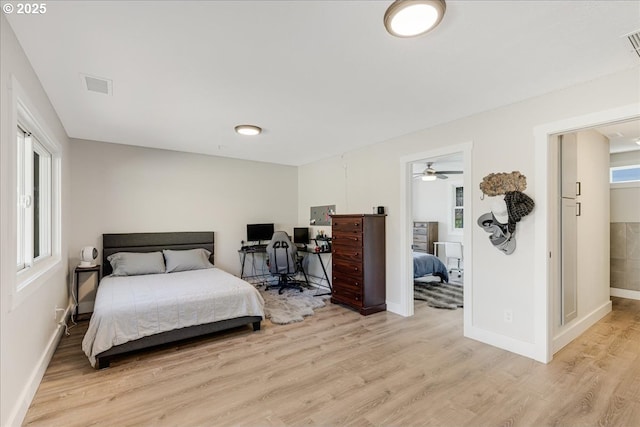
(523, 348)
(29, 391)
(625, 293)
(396, 308)
(574, 331)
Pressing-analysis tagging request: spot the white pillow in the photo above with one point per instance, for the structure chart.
(136, 263)
(190, 259)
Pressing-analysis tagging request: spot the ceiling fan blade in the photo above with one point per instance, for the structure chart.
(450, 172)
(440, 176)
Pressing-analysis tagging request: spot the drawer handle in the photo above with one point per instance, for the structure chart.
(357, 224)
(355, 268)
(357, 298)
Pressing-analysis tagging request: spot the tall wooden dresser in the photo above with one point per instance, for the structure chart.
(425, 234)
(358, 262)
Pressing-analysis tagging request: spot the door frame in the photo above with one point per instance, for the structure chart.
(406, 306)
(546, 258)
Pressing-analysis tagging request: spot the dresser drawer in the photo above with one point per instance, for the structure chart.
(344, 281)
(419, 247)
(347, 296)
(341, 268)
(349, 225)
(417, 230)
(419, 238)
(348, 253)
(346, 239)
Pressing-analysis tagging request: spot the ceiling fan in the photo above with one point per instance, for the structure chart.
(430, 174)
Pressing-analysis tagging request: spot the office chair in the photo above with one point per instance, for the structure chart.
(283, 262)
(453, 250)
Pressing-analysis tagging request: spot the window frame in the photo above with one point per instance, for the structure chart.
(35, 270)
(33, 210)
(453, 207)
(612, 169)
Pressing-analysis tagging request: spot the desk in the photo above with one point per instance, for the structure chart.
(308, 250)
(77, 271)
(259, 275)
(257, 278)
(436, 247)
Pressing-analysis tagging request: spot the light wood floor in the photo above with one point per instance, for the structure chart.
(339, 368)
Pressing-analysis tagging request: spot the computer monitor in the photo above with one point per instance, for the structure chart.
(258, 232)
(301, 235)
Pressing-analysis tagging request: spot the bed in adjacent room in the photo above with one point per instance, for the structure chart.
(429, 265)
(159, 288)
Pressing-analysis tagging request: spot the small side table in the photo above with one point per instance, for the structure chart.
(77, 271)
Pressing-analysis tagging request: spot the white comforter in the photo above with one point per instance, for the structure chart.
(132, 307)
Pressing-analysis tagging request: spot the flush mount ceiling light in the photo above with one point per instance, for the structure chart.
(411, 18)
(428, 177)
(249, 130)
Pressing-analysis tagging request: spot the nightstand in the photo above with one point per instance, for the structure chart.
(78, 270)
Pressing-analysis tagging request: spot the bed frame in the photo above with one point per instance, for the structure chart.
(150, 242)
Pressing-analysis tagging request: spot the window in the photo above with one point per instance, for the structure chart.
(457, 208)
(620, 174)
(37, 198)
(34, 180)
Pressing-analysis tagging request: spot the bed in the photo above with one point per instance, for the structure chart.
(134, 312)
(426, 264)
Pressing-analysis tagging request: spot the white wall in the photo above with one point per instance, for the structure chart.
(28, 331)
(503, 141)
(433, 201)
(123, 189)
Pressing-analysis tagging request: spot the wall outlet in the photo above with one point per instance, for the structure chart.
(508, 315)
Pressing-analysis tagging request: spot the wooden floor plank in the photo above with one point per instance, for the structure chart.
(340, 368)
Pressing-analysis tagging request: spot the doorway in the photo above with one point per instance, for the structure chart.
(547, 256)
(438, 232)
(463, 150)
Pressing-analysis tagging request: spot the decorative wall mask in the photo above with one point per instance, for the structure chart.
(507, 211)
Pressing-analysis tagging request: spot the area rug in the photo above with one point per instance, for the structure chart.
(439, 295)
(292, 306)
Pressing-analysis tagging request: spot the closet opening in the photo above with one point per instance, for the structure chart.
(598, 224)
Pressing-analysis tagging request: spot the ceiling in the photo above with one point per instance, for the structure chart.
(320, 77)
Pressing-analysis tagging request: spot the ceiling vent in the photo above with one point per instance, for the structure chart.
(97, 84)
(634, 38)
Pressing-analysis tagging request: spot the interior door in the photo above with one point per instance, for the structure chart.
(569, 209)
(569, 268)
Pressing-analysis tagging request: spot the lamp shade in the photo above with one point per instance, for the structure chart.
(87, 255)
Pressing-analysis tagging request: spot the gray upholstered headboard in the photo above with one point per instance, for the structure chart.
(150, 242)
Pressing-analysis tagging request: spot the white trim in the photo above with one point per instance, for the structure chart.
(405, 307)
(617, 185)
(504, 342)
(19, 411)
(575, 330)
(545, 253)
(395, 308)
(624, 293)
